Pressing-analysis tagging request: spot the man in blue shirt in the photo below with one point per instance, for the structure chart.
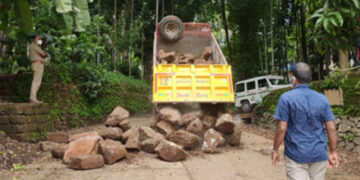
(302, 114)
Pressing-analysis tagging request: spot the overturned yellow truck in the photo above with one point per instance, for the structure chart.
(205, 83)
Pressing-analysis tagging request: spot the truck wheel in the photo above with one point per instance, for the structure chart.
(245, 107)
(171, 28)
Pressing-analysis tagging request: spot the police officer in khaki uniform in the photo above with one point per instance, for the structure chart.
(37, 57)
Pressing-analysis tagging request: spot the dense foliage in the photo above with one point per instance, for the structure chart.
(97, 67)
(80, 93)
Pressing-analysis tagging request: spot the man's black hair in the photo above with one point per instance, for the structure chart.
(302, 72)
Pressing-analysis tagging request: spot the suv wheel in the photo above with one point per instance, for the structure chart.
(245, 107)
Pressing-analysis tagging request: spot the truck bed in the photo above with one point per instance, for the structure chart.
(208, 83)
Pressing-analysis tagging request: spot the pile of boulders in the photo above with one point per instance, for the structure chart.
(172, 58)
(170, 134)
(91, 149)
(195, 130)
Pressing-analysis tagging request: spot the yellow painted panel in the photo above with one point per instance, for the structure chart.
(192, 83)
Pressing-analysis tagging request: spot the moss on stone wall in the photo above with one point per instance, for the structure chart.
(69, 102)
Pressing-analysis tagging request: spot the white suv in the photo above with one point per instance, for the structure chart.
(251, 91)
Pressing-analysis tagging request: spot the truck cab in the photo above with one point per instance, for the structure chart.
(250, 92)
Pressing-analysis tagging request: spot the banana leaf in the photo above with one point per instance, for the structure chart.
(82, 15)
(63, 6)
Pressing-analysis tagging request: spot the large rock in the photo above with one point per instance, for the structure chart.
(117, 116)
(149, 145)
(149, 133)
(59, 137)
(349, 146)
(171, 115)
(110, 133)
(165, 128)
(206, 54)
(337, 121)
(348, 122)
(170, 151)
(186, 139)
(59, 151)
(356, 149)
(153, 121)
(208, 122)
(133, 143)
(234, 138)
(195, 127)
(354, 130)
(89, 161)
(134, 131)
(343, 128)
(357, 141)
(47, 145)
(112, 151)
(132, 139)
(125, 124)
(81, 135)
(212, 140)
(168, 57)
(341, 144)
(188, 117)
(225, 124)
(84, 146)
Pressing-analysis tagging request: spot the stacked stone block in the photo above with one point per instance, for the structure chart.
(23, 121)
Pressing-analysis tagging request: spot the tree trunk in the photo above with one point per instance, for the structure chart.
(303, 33)
(327, 61)
(266, 50)
(142, 53)
(157, 12)
(98, 33)
(223, 12)
(131, 43)
(163, 8)
(272, 37)
(261, 61)
(114, 51)
(343, 59)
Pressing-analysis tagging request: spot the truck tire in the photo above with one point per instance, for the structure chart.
(171, 28)
(245, 107)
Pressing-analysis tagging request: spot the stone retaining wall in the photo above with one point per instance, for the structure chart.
(23, 121)
(349, 133)
(348, 129)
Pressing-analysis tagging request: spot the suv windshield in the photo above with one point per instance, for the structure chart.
(278, 81)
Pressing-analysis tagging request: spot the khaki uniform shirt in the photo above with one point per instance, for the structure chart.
(35, 53)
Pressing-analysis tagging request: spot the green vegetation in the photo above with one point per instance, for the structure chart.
(348, 82)
(81, 93)
(349, 136)
(103, 61)
(16, 167)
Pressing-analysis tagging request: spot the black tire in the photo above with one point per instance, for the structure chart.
(245, 107)
(171, 28)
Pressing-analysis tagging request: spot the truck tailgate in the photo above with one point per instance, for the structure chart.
(192, 83)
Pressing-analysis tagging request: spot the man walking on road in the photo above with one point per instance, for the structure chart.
(302, 114)
(37, 57)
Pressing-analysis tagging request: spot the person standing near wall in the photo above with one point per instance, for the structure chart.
(302, 114)
(37, 57)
